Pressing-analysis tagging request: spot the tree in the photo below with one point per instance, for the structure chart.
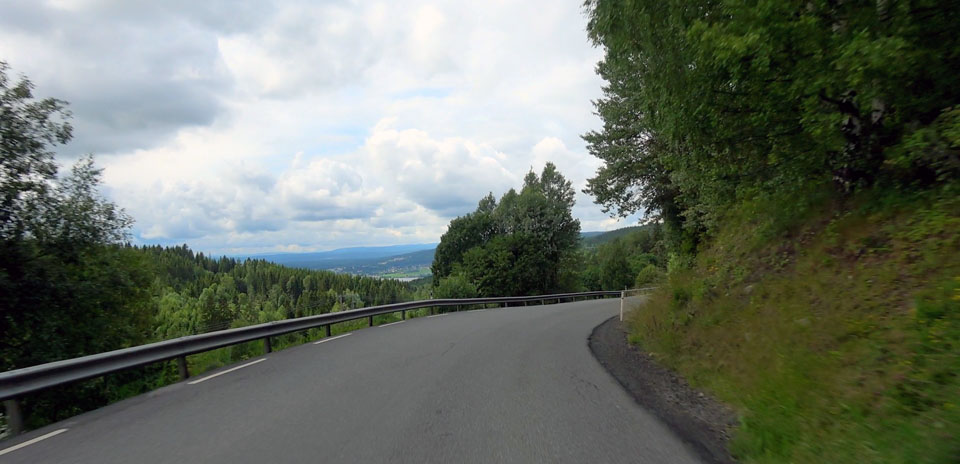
(709, 103)
(68, 289)
(462, 234)
(615, 273)
(455, 286)
(517, 246)
(510, 265)
(613, 264)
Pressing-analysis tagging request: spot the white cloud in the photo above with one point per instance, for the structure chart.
(448, 176)
(254, 126)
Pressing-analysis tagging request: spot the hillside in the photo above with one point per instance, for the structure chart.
(390, 261)
(834, 332)
(590, 240)
(407, 265)
(803, 159)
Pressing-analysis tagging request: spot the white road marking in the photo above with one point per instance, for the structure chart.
(438, 315)
(392, 323)
(332, 338)
(30, 442)
(218, 374)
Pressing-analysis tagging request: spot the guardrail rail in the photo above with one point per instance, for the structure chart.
(19, 382)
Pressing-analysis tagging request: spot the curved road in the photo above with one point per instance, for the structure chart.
(499, 385)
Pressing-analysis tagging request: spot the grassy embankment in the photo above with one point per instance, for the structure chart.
(833, 329)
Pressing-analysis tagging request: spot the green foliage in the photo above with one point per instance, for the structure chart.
(650, 274)
(462, 234)
(615, 273)
(518, 246)
(455, 286)
(709, 103)
(932, 149)
(195, 294)
(510, 265)
(615, 264)
(68, 288)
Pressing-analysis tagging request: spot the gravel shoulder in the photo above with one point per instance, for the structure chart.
(702, 422)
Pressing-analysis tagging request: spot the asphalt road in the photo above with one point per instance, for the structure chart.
(515, 385)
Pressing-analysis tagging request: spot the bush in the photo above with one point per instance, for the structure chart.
(455, 286)
(648, 275)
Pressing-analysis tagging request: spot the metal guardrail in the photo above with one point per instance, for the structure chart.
(19, 382)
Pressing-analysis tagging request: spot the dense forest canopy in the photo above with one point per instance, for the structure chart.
(708, 103)
(197, 294)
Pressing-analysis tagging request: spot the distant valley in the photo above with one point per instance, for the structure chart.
(397, 261)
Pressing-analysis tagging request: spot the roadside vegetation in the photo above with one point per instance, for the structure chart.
(803, 161)
(836, 339)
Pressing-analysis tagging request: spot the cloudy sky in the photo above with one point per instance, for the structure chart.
(249, 126)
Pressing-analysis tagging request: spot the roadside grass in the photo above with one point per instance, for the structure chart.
(833, 329)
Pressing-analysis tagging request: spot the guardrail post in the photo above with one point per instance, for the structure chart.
(403, 315)
(370, 321)
(14, 416)
(327, 330)
(267, 348)
(182, 367)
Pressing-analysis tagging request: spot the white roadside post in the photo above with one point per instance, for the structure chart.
(622, 294)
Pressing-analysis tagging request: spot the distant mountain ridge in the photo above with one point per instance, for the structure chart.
(371, 252)
(595, 239)
(390, 261)
(396, 261)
